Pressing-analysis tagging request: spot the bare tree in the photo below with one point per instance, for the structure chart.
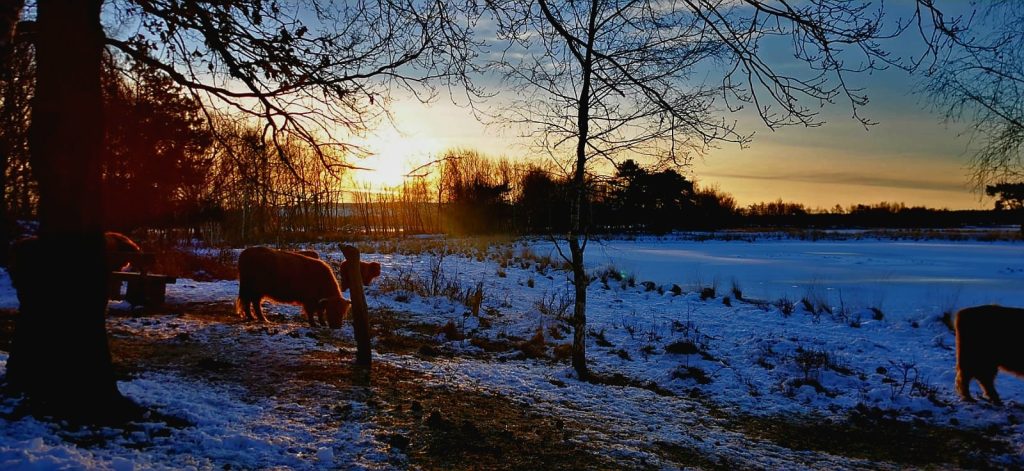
(600, 79)
(315, 70)
(981, 83)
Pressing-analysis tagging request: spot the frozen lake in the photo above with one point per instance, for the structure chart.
(901, 277)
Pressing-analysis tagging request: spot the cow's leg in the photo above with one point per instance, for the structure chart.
(988, 385)
(311, 313)
(256, 306)
(963, 385)
(244, 310)
(322, 314)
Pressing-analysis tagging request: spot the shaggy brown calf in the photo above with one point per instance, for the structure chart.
(309, 253)
(367, 270)
(988, 338)
(287, 277)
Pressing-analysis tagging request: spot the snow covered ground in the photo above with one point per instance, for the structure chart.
(694, 365)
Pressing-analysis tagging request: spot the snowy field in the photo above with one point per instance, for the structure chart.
(908, 278)
(693, 370)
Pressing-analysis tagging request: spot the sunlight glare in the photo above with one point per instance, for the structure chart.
(394, 156)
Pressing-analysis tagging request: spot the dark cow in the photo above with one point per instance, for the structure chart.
(988, 338)
(287, 277)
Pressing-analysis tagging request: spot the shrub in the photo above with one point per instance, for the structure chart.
(735, 290)
(184, 263)
(707, 292)
(610, 272)
(631, 325)
(555, 305)
(844, 313)
(451, 331)
(562, 351)
(692, 372)
(535, 347)
(693, 341)
(793, 384)
(816, 301)
(473, 298)
(811, 362)
(682, 347)
(600, 339)
(785, 305)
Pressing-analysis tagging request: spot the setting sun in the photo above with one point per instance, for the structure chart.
(394, 155)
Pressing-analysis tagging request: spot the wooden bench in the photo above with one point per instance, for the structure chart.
(144, 288)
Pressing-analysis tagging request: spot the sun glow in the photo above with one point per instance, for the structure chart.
(394, 156)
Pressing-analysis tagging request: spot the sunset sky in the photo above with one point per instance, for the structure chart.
(909, 156)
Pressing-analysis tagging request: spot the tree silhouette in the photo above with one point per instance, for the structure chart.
(981, 83)
(543, 203)
(157, 146)
(655, 202)
(1011, 198)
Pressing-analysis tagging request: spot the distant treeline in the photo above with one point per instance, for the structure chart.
(640, 200)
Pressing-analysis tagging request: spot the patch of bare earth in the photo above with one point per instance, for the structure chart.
(432, 427)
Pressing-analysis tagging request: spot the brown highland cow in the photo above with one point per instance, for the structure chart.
(118, 242)
(287, 277)
(367, 270)
(988, 338)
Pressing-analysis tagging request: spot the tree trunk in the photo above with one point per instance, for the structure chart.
(578, 226)
(59, 356)
(360, 313)
(579, 318)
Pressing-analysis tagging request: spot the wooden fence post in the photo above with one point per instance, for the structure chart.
(360, 313)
